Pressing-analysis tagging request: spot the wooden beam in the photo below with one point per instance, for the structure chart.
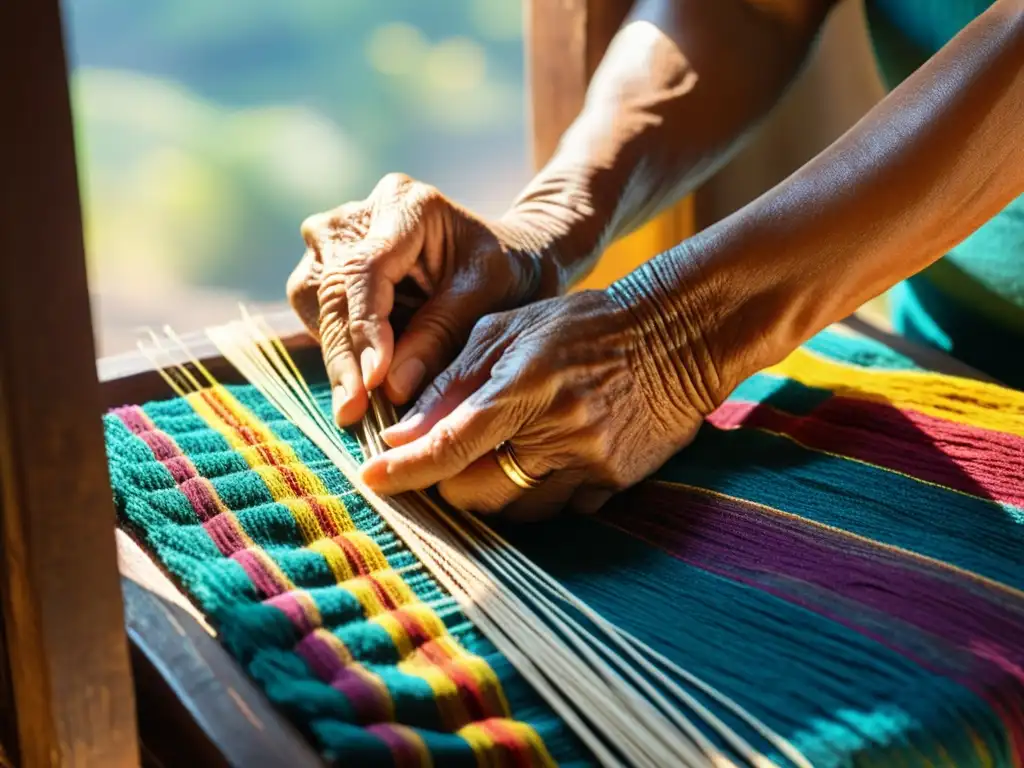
(8, 722)
(196, 705)
(61, 595)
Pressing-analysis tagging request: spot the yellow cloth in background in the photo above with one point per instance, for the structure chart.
(667, 230)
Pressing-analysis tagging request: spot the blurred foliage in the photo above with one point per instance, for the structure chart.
(209, 130)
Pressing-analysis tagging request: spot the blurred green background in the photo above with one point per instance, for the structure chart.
(208, 130)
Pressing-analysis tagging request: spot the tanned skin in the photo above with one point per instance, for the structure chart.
(597, 389)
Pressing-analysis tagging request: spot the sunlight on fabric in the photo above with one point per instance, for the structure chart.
(625, 702)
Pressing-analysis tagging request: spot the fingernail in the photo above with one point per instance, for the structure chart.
(339, 396)
(408, 423)
(374, 473)
(368, 362)
(410, 415)
(407, 376)
(397, 434)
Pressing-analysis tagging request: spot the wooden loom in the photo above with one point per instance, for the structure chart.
(104, 661)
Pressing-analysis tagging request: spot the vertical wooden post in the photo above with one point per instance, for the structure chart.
(565, 42)
(62, 608)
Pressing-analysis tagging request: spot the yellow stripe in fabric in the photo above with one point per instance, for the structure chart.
(373, 557)
(976, 403)
(395, 586)
(241, 415)
(525, 735)
(481, 743)
(210, 416)
(981, 750)
(362, 589)
(416, 663)
(306, 520)
(266, 454)
(226, 416)
(335, 557)
(263, 457)
(309, 607)
(445, 693)
(425, 619)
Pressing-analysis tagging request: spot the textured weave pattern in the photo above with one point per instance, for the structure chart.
(841, 551)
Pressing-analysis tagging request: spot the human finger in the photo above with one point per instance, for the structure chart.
(349, 399)
(465, 375)
(433, 339)
(485, 489)
(301, 290)
(400, 225)
(470, 431)
(588, 500)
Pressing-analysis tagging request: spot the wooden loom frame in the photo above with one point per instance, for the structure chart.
(99, 677)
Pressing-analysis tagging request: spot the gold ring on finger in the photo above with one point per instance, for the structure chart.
(513, 469)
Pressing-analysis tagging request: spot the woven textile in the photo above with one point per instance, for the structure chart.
(841, 552)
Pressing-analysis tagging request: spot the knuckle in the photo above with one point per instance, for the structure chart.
(445, 446)
(437, 387)
(488, 326)
(362, 260)
(364, 329)
(597, 446)
(371, 253)
(358, 287)
(426, 194)
(580, 413)
(394, 182)
(312, 227)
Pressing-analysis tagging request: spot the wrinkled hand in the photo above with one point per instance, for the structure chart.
(344, 287)
(571, 383)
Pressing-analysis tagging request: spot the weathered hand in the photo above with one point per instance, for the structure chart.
(344, 287)
(578, 388)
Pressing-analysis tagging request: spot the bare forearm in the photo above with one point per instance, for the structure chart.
(682, 82)
(932, 163)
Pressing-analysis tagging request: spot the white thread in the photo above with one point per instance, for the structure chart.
(599, 684)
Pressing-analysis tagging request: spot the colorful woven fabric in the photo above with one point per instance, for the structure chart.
(841, 552)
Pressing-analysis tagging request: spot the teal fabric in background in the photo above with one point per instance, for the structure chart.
(971, 303)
